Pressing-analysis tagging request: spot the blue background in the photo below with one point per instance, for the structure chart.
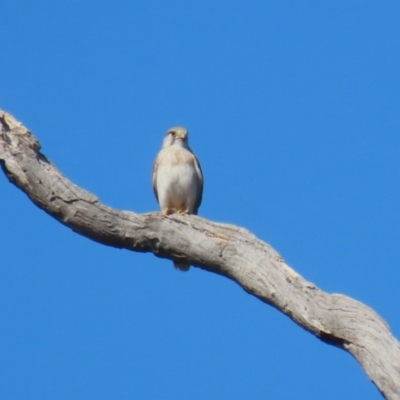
(293, 111)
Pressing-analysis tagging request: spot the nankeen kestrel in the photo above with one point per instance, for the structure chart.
(177, 177)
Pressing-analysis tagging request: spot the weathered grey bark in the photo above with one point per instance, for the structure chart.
(223, 249)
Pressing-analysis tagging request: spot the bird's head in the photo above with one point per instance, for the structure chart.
(176, 136)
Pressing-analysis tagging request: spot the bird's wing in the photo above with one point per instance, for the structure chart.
(154, 180)
(200, 182)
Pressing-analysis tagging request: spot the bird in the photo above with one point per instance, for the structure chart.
(177, 178)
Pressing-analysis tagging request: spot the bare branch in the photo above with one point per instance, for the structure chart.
(223, 249)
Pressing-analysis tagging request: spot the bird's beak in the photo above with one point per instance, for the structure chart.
(180, 135)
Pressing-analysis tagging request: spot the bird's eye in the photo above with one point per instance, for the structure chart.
(171, 133)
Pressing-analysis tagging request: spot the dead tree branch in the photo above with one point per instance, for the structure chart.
(223, 249)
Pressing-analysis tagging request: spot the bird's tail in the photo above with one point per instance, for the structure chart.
(181, 266)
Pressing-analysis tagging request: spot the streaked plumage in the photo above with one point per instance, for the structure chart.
(177, 177)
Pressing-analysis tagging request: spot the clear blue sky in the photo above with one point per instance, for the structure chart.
(293, 111)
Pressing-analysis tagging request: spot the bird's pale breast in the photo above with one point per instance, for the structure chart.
(177, 184)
